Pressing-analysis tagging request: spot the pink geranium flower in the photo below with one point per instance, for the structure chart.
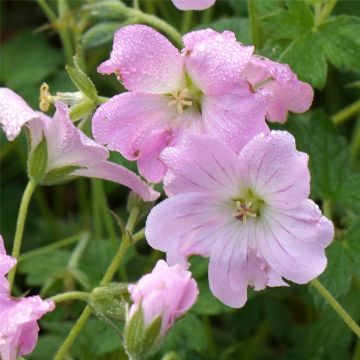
(70, 153)
(168, 292)
(287, 91)
(201, 90)
(193, 4)
(18, 317)
(249, 213)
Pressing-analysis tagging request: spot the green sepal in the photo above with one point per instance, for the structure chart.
(60, 175)
(82, 81)
(82, 109)
(37, 161)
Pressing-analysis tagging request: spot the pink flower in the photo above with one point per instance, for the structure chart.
(287, 91)
(193, 4)
(168, 292)
(18, 317)
(201, 90)
(69, 152)
(249, 213)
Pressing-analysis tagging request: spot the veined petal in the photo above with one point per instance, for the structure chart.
(215, 60)
(275, 170)
(185, 225)
(293, 242)
(288, 92)
(236, 116)
(66, 144)
(201, 164)
(193, 4)
(114, 172)
(125, 121)
(145, 61)
(6, 264)
(14, 113)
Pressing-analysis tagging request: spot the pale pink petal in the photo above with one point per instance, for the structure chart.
(126, 120)
(193, 4)
(185, 225)
(18, 325)
(6, 262)
(149, 163)
(168, 291)
(293, 242)
(275, 171)
(14, 113)
(201, 164)
(66, 144)
(288, 92)
(215, 60)
(113, 172)
(145, 61)
(236, 116)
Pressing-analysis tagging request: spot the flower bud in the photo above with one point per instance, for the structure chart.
(159, 298)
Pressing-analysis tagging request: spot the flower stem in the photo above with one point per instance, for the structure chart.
(346, 113)
(355, 141)
(71, 295)
(152, 20)
(48, 248)
(186, 21)
(336, 306)
(110, 272)
(24, 205)
(254, 23)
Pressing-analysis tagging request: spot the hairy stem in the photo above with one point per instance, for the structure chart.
(336, 306)
(20, 224)
(71, 295)
(110, 272)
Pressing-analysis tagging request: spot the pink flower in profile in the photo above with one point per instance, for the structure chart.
(288, 93)
(249, 213)
(203, 90)
(69, 152)
(168, 292)
(193, 4)
(18, 317)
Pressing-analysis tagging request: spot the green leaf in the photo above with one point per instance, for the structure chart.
(240, 26)
(38, 160)
(306, 58)
(207, 304)
(27, 59)
(340, 41)
(187, 334)
(82, 81)
(100, 34)
(349, 192)
(328, 153)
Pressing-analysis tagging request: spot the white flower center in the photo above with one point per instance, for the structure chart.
(181, 100)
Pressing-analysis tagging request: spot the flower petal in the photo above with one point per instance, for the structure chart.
(215, 60)
(275, 170)
(193, 4)
(145, 61)
(66, 144)
(288, 92)
(185, 225)
(114, 172)
(14, 113)
(201, 164)
(293, 242)
(126, 120)
(236, 116)
(149, 163)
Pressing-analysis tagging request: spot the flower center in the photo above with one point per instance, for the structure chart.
(181, 100)
(248, 206)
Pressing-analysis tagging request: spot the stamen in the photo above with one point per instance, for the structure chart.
(180, 100)
(45, 97)
(244, 210)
